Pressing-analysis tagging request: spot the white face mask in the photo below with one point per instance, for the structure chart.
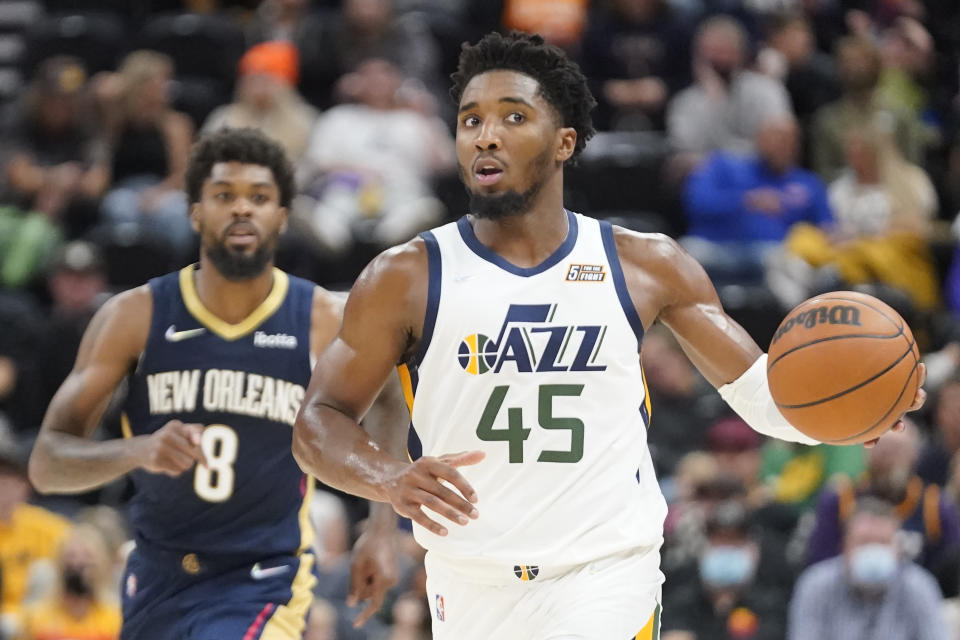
(873, 565)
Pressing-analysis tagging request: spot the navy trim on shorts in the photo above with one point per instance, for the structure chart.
(619, 282)
(470, 238)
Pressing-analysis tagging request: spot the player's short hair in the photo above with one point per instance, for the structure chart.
(562, 83)
(244, 145)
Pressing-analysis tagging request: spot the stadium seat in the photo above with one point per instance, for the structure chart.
(203, 46)
(96, 38)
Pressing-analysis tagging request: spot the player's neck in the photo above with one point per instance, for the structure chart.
(231, 300)
(526, 240)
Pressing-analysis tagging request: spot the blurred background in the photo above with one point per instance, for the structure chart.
(793, 146)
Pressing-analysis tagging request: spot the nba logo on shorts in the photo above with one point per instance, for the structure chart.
(131, 585)
(440, 612)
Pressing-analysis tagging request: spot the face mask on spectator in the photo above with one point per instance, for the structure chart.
(75, 582)
(873, 565)
(726, 566)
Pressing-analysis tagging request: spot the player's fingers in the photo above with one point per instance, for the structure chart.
(180, 442)
(376, 601)
(194, 435)
(922, 372)
(450, 497)
(447, 472)
(359, 581)
(173, 462)
(438, 506)
(898, 426)
(463, 459)
(413, 511)
(869, 444)
(918, 400)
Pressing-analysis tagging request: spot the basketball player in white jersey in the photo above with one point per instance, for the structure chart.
(518, 329)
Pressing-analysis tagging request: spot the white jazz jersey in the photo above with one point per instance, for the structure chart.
(540, 369)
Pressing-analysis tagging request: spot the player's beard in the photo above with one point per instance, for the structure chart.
(236, 265)
(509, 203)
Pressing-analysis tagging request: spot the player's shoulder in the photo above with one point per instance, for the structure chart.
(396, 269)
(646, 249)
(131, 308)
(327, 305)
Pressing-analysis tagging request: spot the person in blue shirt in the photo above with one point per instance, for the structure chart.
(740, 206)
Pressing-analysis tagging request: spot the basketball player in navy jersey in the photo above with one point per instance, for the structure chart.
(520, 327)
(216, 359)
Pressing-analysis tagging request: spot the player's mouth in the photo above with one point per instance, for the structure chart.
(487, 172)
(241, 235)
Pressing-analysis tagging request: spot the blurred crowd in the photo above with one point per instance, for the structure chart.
(792, 146)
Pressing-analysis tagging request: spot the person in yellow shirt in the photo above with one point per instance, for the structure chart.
(27, 533)
(83, 605)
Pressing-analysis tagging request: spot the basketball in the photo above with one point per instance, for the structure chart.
(843, 367)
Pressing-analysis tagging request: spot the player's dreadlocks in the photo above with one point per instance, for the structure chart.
(247, 146)
(562, 84)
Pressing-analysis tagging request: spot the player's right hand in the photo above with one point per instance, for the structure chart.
(173, 448)
(420, 484)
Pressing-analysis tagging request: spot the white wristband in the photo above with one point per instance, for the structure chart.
(749, 395)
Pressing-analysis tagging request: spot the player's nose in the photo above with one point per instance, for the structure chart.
(488, 136)
(242, 207)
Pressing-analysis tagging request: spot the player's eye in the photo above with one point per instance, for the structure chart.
(471, 121)
(259, 198)
(223, 196)
(516, 117)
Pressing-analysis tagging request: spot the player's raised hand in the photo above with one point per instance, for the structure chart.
(420, 484)
(373, 570)
(918, 401)
(173, 448)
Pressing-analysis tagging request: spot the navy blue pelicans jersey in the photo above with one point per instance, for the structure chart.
(244, 382)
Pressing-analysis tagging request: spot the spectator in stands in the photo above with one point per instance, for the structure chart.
(21, 340)
(726, 602)
(796, 474)
(636, 54)
(871, 591)
(560, 22)
(267, 99)
(83, 604)
(741, 206)
(792, 57)
(859, 65)
(737, 449)
(933, 466)
(906, 50)
(727, 102)
(930, 523)
(150, 143)
(28, 534)
(682, 399)
(57, 165)
(883, 206)
(373, 162)
(77, 283)
(360, 30)
(279, 20)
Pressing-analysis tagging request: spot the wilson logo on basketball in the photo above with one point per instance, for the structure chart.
(836, 314)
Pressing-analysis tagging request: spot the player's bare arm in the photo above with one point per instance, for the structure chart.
(382, 323)
(65, 459)
(373, 563)
(666, 283)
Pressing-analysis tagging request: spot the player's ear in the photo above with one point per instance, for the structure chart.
(282, 212)
(195, 216)
(567, 142)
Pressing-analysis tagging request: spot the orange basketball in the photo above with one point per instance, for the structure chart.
(843, 367)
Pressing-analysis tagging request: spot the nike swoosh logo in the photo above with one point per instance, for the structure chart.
(259, 573)
(462, 278)
(172, 335)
